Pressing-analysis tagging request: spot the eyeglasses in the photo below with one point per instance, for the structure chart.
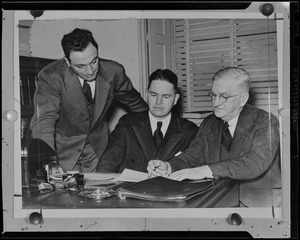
(222, 98)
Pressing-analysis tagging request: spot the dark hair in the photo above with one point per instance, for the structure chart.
(77, 40)
(166, 75)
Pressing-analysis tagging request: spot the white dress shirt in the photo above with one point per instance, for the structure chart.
(232, 124)
(165, 123)
(91, 83)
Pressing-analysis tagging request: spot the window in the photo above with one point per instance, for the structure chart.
(203, 46)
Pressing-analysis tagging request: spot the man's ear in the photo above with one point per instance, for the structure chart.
(244, 99)
(67, 61)
(177, 95)
(146, 95)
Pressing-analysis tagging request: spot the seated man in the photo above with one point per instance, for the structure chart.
(132, 144)
(247, 150)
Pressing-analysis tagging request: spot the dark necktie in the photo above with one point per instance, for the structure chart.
(226, 137)
(87, 91)
(158, 136)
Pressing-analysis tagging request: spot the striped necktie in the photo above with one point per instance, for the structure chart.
(87, 91)
(226, 137)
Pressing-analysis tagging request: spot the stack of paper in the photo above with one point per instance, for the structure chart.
(113, 180)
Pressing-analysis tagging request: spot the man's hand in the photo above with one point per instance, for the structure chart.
(192, 173)
(157, 168)
(54, 168)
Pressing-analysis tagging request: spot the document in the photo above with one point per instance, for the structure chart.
(108, 180)
(100, 176)
(89, 183)
(129, 175)
(100, 180)
(90, 176)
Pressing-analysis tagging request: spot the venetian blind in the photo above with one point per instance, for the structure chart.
(203, 46)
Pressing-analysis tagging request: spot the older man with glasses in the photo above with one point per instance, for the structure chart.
(238, 141)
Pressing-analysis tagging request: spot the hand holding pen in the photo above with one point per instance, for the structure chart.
(157, 168)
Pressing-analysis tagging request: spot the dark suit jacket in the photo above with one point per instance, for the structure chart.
(131, 144)
(62, 119)
(253, 159)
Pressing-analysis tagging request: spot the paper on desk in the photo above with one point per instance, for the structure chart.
(129, 175)
(100, 176)
(90, 183)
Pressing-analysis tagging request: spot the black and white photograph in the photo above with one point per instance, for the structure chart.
(161, 121)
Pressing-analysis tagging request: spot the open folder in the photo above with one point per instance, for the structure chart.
(164, 189)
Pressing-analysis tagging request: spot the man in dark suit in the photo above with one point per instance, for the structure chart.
(136, 138)
(247, 151)
(72, 100)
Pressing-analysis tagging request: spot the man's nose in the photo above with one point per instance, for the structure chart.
(89, 69)
(158, 100)
(217, 101)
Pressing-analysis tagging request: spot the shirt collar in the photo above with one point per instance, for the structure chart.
(232, 124)
(91, 83)
(165, 122)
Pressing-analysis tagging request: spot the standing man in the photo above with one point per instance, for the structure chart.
(247, 150)
(72, 99)
(153, 134)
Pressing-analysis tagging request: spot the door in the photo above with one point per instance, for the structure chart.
(159, 44)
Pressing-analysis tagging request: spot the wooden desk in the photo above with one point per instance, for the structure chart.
(224, 194)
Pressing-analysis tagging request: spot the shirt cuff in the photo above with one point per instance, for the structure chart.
(208, 171)
(169, 169)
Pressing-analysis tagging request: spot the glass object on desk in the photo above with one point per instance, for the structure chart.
(97, 194)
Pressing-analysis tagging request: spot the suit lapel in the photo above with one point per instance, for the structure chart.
(241, 132)
(214, 140)
(144, 136)
(76, 95)
(74, 91)
(172, 137)
(101, 93)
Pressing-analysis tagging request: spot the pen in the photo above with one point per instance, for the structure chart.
(150, 174)
(68, 177)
